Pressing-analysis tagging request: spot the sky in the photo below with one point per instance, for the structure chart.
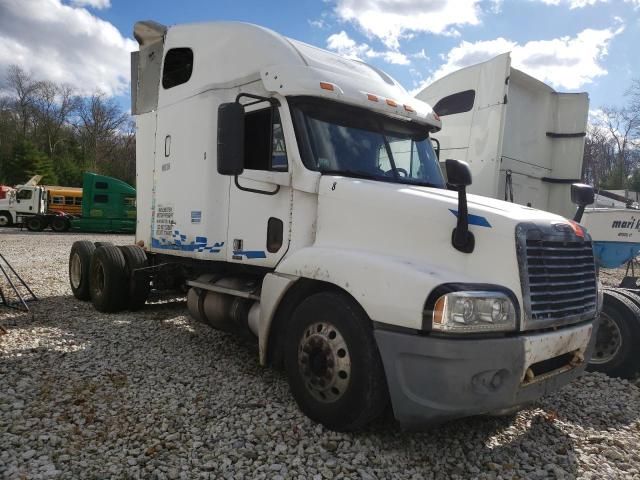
(573, 45)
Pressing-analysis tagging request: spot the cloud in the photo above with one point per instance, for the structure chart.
(573, 4)
(391, 20)
(344, 45)
(98, 4)
(65, 44)
(566, 62)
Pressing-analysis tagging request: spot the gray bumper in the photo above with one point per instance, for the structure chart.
(433, 379)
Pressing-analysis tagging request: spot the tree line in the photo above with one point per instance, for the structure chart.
(612, 145)
(49, 129)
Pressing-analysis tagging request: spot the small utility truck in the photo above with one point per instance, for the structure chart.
(524, 142)
(104, 204)
(296, 197)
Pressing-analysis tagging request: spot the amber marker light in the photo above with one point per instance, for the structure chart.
(326, 86)
(577, 228)
(391, 103)
(372, 97)
(438, 310)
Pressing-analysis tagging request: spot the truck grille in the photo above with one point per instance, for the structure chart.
(559, 278)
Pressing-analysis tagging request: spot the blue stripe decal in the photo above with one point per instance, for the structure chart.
(250, 253)
(179, 242)
(474, 219)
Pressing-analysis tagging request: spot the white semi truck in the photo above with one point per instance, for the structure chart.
(524, 143)
(297, 198)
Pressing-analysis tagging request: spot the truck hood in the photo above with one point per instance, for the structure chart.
(415, 224)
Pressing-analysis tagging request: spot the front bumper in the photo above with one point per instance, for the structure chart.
(433, 379)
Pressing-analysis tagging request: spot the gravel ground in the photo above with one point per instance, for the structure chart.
(157, 395)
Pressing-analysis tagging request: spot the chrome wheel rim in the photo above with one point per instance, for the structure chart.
(76, 270)
(324, 362)
(608, 340)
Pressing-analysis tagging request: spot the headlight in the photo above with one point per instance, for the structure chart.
(466, 312)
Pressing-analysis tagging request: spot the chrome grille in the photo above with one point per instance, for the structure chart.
(558, 276)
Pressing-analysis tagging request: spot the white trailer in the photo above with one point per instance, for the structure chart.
(524, 142)
(298, 198)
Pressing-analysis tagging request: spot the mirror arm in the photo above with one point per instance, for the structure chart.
(462, 239)
(578, 216)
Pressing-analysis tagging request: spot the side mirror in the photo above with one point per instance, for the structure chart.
(582, 195)
(459, 176)
(458, 173)
(230, 139)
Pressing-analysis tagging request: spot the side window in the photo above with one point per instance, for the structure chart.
(130, 202)
(264, 147)
(24, 194)
(102, 185)
(68, 200)
(57, 200)
(457, 103)
(78, 201)
(178, 65)
(100, 198)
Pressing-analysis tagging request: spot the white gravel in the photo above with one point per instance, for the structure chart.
(157, 395)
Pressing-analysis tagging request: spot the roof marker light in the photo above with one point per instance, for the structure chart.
(391, 103)
(408, 108)
(372, 97)
(326, 86)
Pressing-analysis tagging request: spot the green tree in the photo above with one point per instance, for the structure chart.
(26, 161)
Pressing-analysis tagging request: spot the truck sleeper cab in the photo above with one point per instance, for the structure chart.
(317, 220)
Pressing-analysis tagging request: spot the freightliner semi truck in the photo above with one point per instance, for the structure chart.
(296, 197)
(524, 142)
(104, 204)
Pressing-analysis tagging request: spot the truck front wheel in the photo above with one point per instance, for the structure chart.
(5, 219)
(334, 369)
(108, 279)
(79, 263)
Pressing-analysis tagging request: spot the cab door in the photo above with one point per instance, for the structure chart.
(260, 198)
(28, 200)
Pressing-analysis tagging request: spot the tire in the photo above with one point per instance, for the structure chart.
(332, 362)
(139, 284)
(5, 219)
(617, 338)
(35, 224)
(108, 279)
(60, 224)
(79, 267)
(103, 244)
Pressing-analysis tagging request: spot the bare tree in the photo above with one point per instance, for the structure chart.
(54, 105)
(621, 126)
(99, 121)
(23, 88)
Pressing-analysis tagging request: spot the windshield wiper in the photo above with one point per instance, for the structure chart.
(355, 174)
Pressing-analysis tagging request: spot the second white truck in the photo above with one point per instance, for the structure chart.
(296, 195)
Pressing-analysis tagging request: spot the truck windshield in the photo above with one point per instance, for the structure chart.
(340, 139)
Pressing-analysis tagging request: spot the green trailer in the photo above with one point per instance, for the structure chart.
(108, 205)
